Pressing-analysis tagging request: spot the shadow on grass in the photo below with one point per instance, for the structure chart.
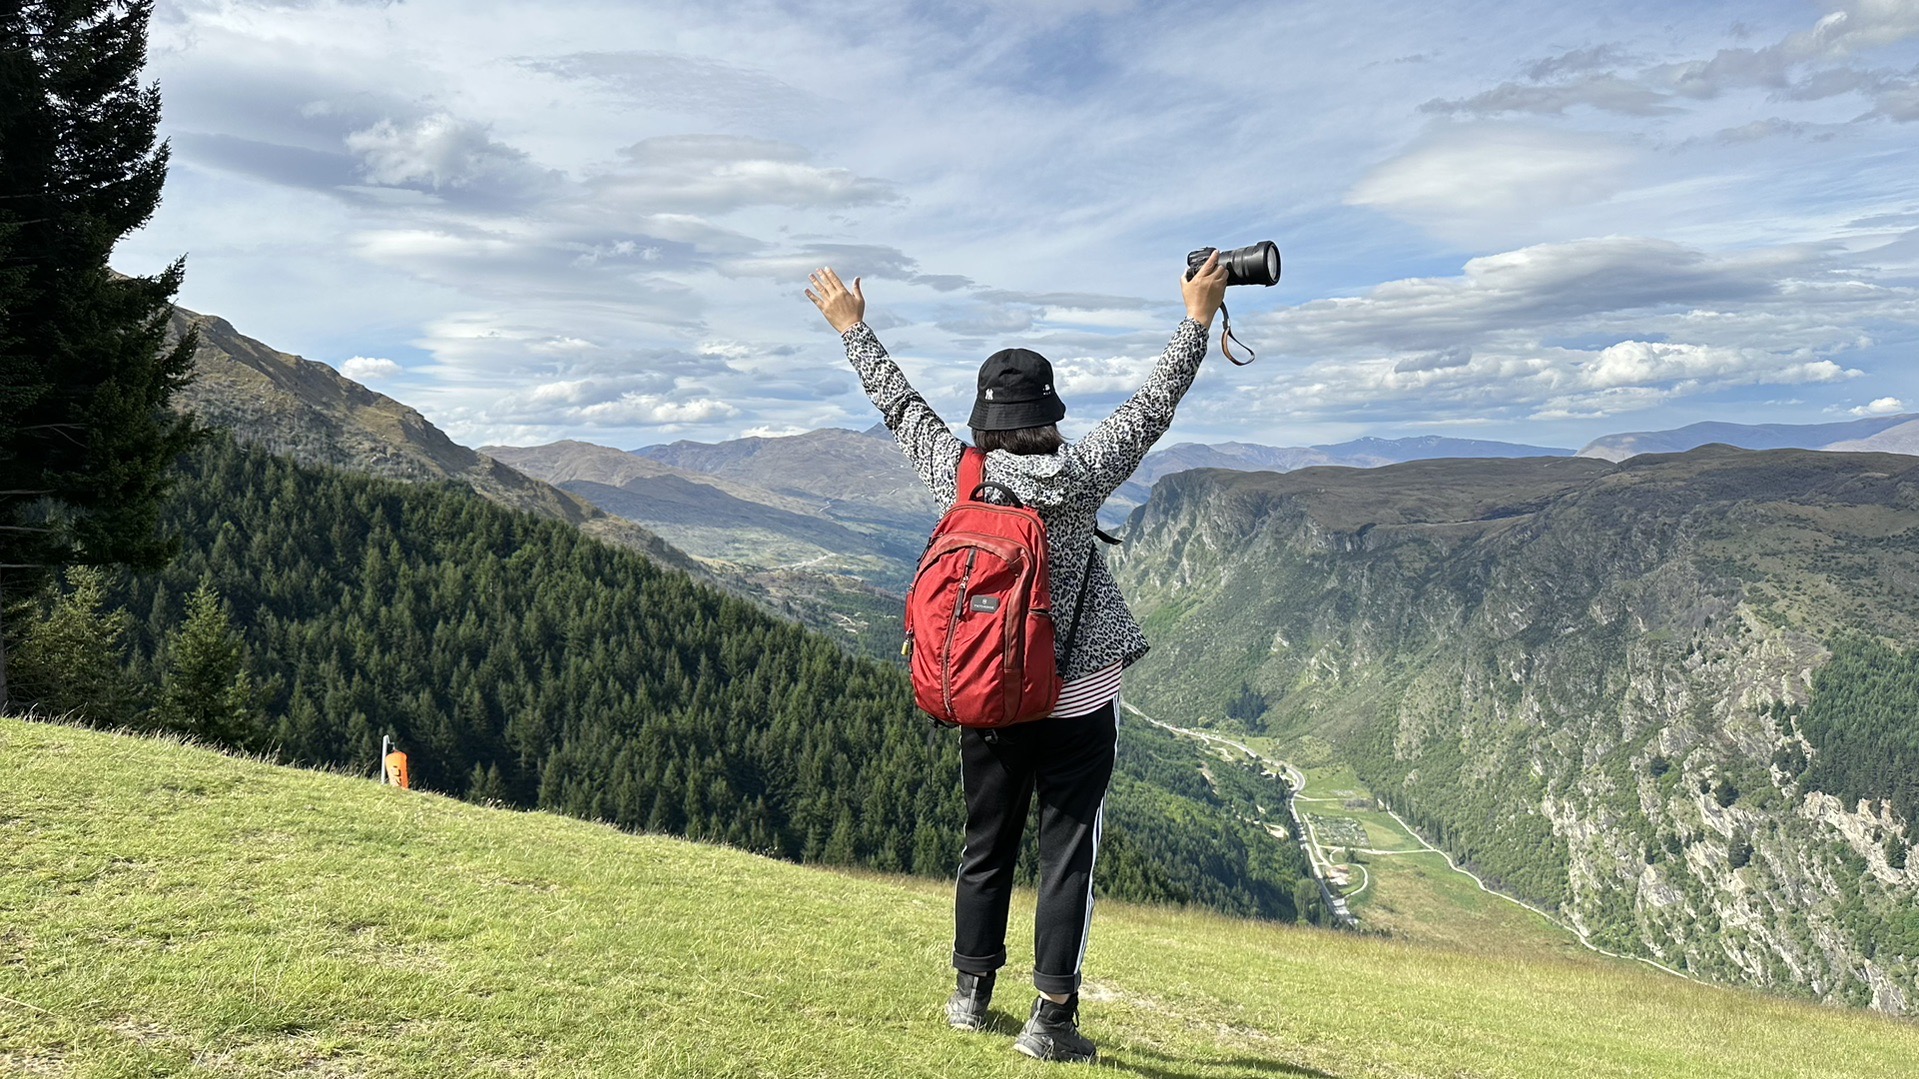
(1156, 1065)
(1162, 1066)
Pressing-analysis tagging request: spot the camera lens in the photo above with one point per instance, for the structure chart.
(1257, 264)
(1254, 265)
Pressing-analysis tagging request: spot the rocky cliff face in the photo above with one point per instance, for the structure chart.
(1582, 677)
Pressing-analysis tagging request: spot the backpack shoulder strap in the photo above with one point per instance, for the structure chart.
(972, 473)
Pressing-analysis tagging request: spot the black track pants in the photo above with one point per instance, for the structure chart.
(1069, 763)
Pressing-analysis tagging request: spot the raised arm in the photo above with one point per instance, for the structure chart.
(928, 442)
(1113, 449)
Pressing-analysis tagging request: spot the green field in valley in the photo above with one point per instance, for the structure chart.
(173, 912)
(1401, 887)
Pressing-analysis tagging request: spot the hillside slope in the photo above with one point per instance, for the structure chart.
(858, 477)
(310, 412)
(174, 912)
(726, 520)
(1610, 688)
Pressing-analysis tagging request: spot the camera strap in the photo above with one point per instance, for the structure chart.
(1227, 340)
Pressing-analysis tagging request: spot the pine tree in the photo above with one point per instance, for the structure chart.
(1246, 707)
(931, 858)
(73, 661)
(208, 692)
(484, 785)
(840, 849)
(1306, 904)
(87, 442)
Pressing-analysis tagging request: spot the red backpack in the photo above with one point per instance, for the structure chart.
(979, 617)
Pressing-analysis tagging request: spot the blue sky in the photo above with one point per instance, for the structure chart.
(1537, 222)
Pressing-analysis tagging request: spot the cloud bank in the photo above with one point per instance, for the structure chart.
(538, 224)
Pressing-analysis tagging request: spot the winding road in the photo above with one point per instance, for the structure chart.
(1321, 866)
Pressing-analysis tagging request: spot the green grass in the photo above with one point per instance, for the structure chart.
(166, 911)
(1417, 896)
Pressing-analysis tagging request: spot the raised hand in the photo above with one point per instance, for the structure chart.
(844, 308)
(1205, 290)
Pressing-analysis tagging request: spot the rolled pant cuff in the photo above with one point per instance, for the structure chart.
(1056, 983)
(979, 964)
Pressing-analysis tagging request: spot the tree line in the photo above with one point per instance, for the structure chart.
(1863, 723)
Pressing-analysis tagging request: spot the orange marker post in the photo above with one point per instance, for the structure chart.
(396, 770)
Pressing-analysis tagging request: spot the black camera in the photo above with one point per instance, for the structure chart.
(1254, 265)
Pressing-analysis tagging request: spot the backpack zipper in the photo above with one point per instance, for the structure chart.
(952, 628)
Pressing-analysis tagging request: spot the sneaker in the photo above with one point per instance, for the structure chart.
(966, 1008)
(1053, 1034)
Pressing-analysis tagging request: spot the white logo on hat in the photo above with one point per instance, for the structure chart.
(989, 395)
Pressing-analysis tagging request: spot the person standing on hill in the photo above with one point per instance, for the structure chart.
(1067, 758)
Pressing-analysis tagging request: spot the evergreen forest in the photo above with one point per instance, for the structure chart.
(1863, 725)
(310, 612)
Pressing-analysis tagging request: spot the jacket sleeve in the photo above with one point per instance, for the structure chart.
(1114, 448)
(928, 442)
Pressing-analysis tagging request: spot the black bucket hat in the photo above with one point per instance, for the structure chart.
(1015, 391)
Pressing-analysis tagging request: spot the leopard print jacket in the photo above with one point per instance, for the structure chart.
(1066, 488)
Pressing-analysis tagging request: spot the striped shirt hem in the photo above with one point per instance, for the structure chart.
(1088, 694)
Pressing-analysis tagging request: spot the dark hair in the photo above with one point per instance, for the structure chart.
(1025, 441)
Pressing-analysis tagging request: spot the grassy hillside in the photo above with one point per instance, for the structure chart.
(172, 912)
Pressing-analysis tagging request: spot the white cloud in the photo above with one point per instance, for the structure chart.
(1607, 93)
(369, 368)
(439, 153)
(562, 212)
(702, 86)
(1086, 376)
(717, 173)
(1579, 330)
(1882, 406)
(1544, 288)
(1805, 65)
(1467, 180)
(646, 409)
(783, 430)
(573, 392)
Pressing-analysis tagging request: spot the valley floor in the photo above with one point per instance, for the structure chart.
(1391, 880)
(172, 912)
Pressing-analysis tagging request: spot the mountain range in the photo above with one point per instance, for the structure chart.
(1668, 699)
(845, 503)
(831, 501)
(1877, 434)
